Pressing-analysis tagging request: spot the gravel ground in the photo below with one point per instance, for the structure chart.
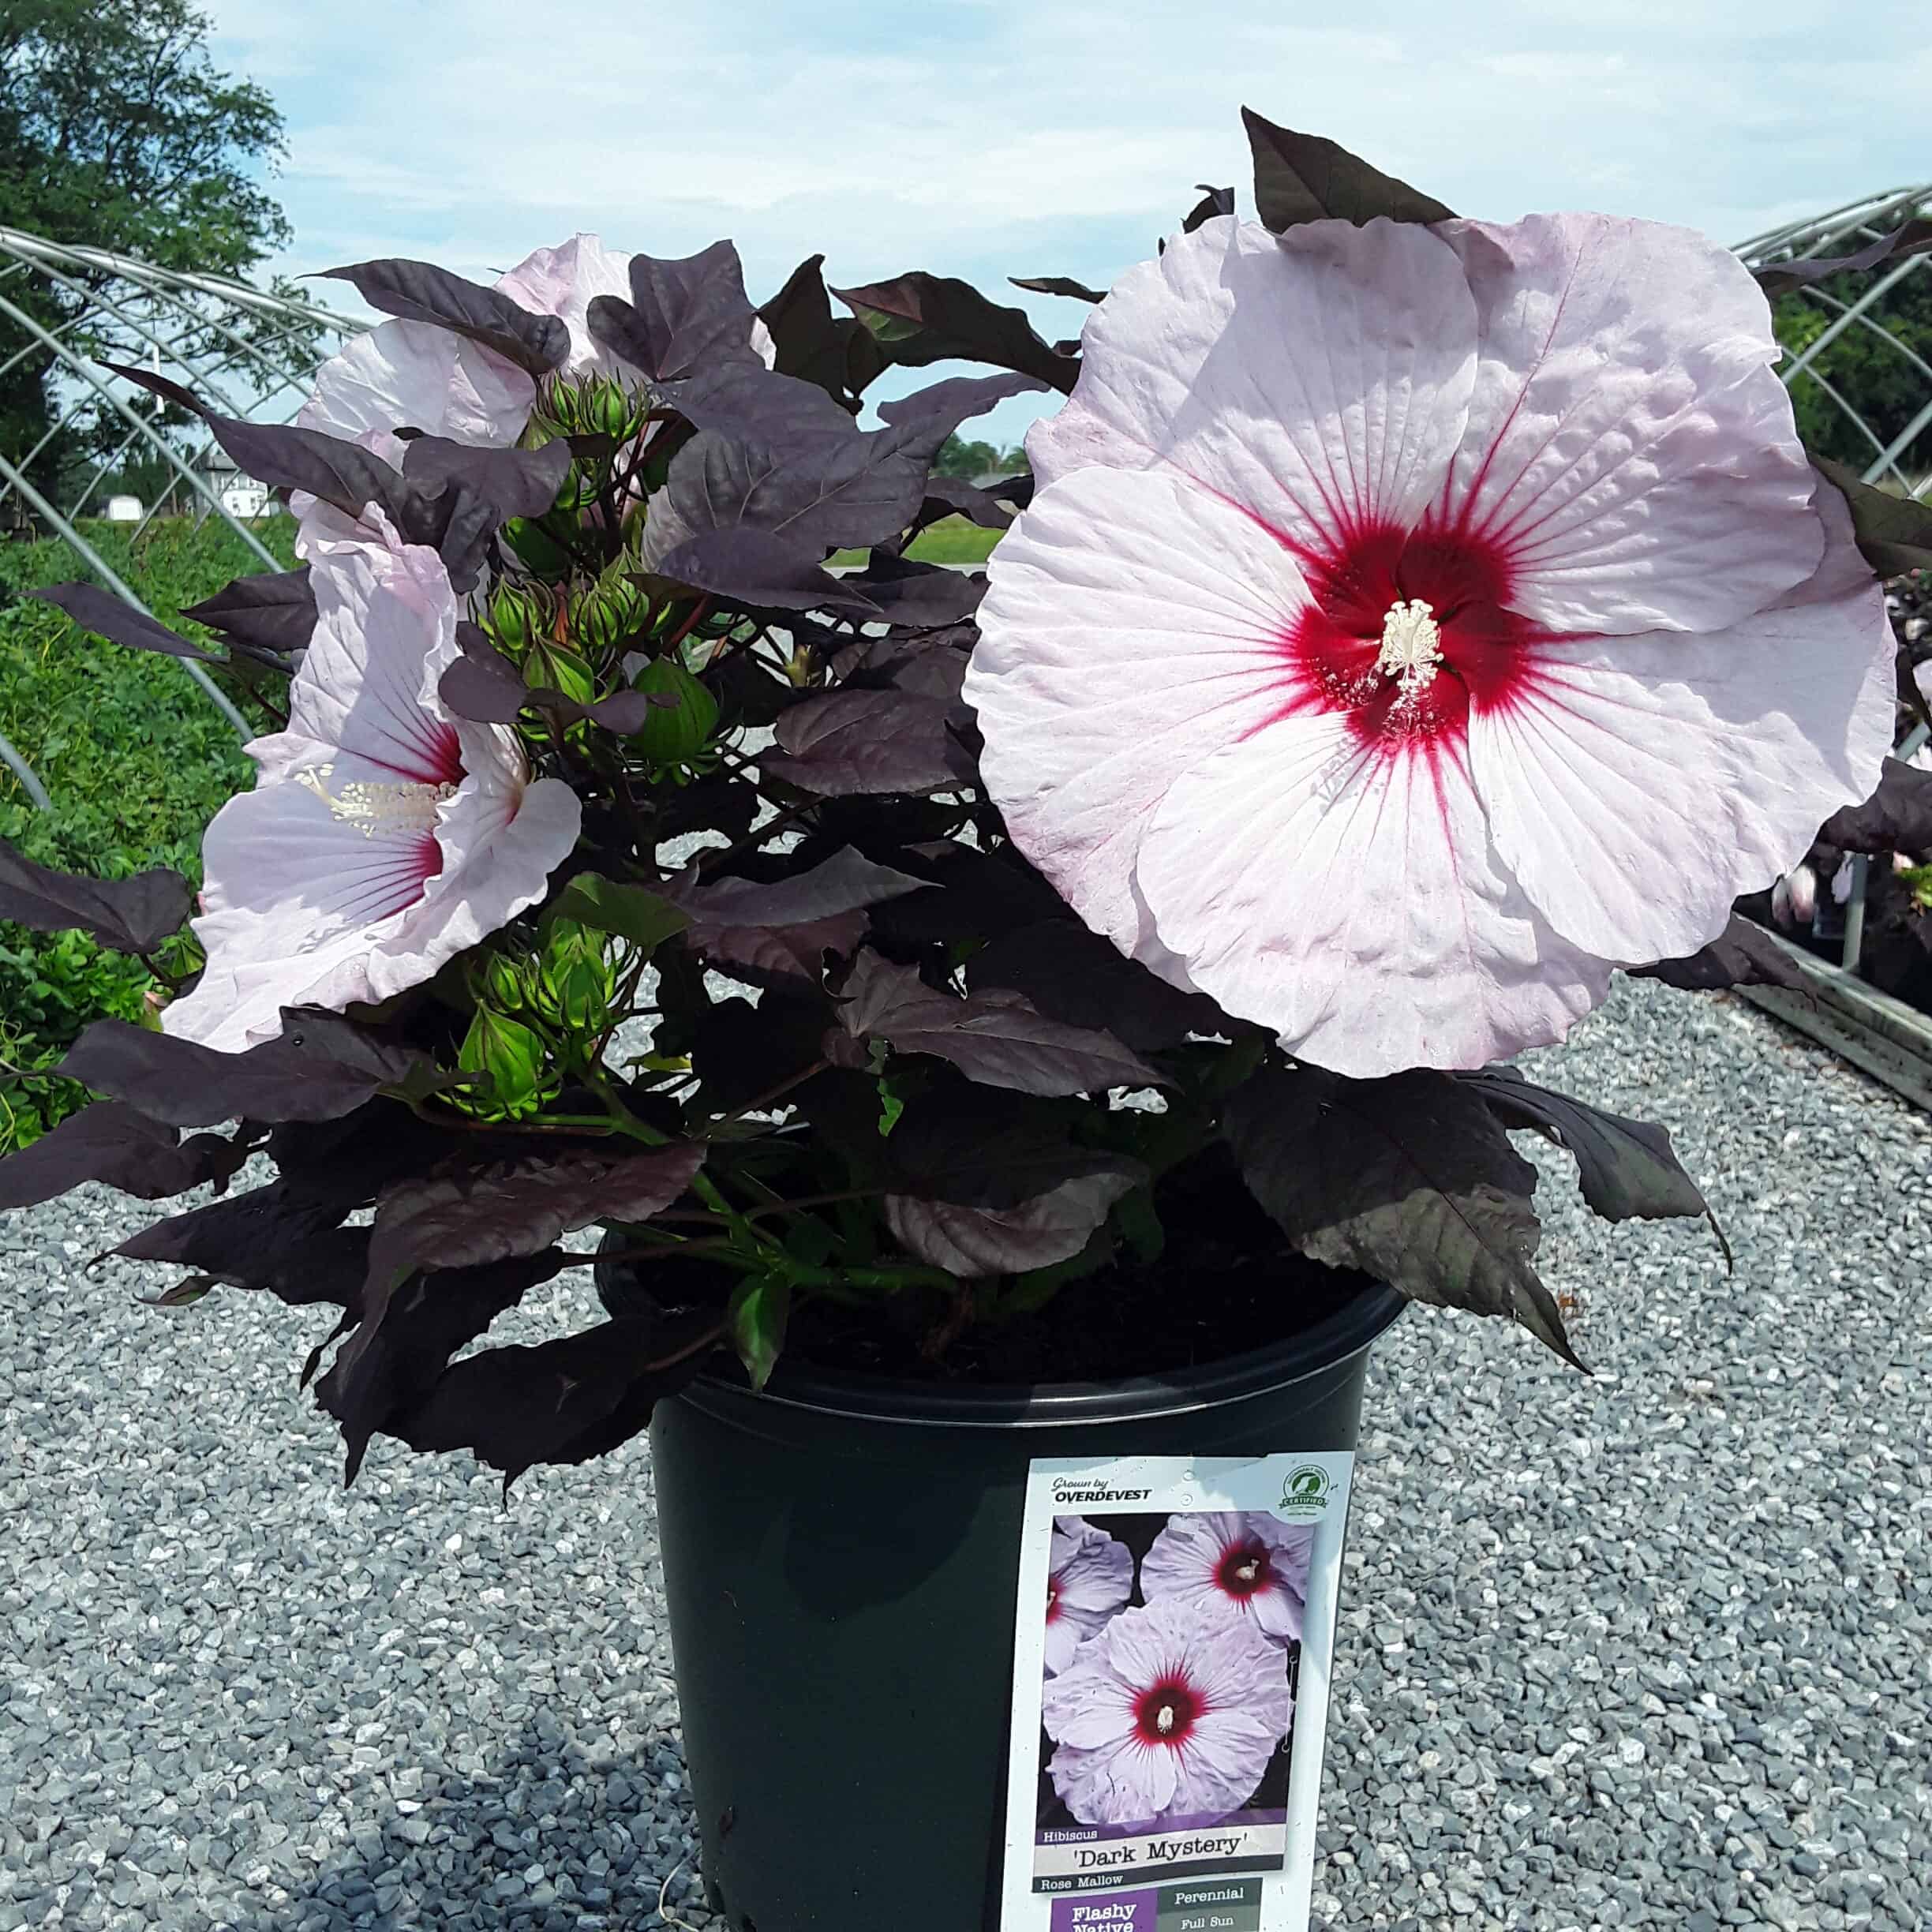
(1646, 1650)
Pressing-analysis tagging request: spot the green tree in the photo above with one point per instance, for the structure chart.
(958, 457)
(117, 130)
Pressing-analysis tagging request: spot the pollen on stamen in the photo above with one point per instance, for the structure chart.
(1411, 647)
(373, 808)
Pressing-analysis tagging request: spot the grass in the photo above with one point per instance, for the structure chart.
(954, 541)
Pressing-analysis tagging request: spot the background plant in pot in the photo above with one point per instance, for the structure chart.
(1416, 621)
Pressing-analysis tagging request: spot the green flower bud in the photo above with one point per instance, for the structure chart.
(506, 984)
(611, 409)
(518, 614)
(551, 666)
(607, 615)
(674, 734)
(512, 1058)
(575, 983)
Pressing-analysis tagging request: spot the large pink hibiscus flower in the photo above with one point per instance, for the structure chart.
(384, 834)
(1166, 1713)
(1089, 1577)
(1234, 1563)
(1416, 622)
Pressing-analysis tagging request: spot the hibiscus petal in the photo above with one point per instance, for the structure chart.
(1320, 379)
(293, 893)
(1630, 449)
(563, 282)
(383, 609)
(1402, 943)
(1132, 625)
(1636, 786)
(412, 375)
(496, 865)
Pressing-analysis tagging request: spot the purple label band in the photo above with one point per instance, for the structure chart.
(1123, 1911)
(1203, 1821)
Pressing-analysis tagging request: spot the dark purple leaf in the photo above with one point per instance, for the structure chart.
(321, 1067)
(284, 456)
(991, 508)
(279, 1239)
(1776, 279)
(920, 319)
(408, 1333)
(968, 1241)
(1410, 1179)
(126, 916)
(1896, 818)
(1894, 533)
(1626, 1168)
(107, 616)
(764, 571)
(930, 662)
(785, 458)
(1743, 954)
(1214, 201)
(931, 414)
(997, 1039)
(986, 1183)
(273, 612)
(112, 1142)
(1069, 972)
(976, 896)
(684, 314)
(482, 684)
(563, 1401)
(748, 402)
(514, 482)
(865, 742)
(1058, 284)
(809, 341)
(740, 1050)
(421, 292)
(920, 596)
(1302, 178)
(787, 925)
(491, 1213)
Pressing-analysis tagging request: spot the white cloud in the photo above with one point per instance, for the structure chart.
(982, 137)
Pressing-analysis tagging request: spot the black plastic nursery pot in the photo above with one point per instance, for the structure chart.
(840, 1559)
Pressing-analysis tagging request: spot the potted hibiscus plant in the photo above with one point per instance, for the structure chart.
(1010, 1027)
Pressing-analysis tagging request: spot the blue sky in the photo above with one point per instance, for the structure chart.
(994, 138)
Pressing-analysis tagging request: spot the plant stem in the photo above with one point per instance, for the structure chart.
(761, 1102)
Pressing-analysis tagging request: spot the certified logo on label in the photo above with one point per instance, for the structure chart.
(1305, 1493)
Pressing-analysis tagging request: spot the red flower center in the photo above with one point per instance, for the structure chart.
(1408, 632)
(1053, 1599)
(1245, 1570)
(1166, 1713)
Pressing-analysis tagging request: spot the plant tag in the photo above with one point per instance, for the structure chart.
(1171, 1659)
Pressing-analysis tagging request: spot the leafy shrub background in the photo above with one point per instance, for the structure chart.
(136, 760)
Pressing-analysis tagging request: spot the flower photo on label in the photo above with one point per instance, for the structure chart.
(1171, 1712)
(1234, 1563)
(1089, 1578)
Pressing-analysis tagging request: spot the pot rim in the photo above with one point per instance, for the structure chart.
(1346, 1332)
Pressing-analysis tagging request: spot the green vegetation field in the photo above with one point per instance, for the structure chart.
(135, 759)
(955, 540)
